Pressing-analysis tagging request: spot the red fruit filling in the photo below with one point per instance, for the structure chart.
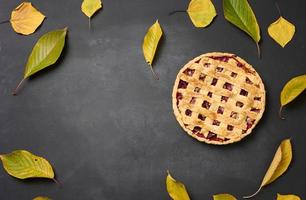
(220, 110)
(188, 112)
(182, 84)
(189, 72)
(228, 86)
(206, 104)
(179, 97)
(214, 81)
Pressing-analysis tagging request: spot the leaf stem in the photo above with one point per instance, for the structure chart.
(250, 196)
(4, 22)
(258, 50)
(89, 23)
(176, 11)
(154, 74)
(278, 9)
(15, 91)
(57, 182)
(280, 113)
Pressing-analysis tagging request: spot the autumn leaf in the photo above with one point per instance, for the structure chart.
(23, 164)
(90, 7)
(241, 15)
(25, 19)
(224, 197)
(287, 197)
(150, 44)
(279, 165)
(282, 31)
(292, 90)
(201, 12)
(46, 52)
(176, 189)
(41, 198)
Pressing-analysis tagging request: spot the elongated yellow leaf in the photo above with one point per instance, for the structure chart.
(282, 31)
(23, 164)
(150, 43)
(279, 165)
(224, 197)
(201, 12)
(291, 90)
(41, 198)
(25, 19)
(287, 197)
(90, 7)
(176, 189)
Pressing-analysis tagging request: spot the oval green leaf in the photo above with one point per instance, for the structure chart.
(292, 89)
(201, 12)
(287, 197)
(46, 52)
(23, 164)
(241, 15)
(282, 31)
(279, 165)
(150, 43)
(224, 197)
(176, 189)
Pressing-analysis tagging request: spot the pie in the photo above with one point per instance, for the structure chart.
(218, 98)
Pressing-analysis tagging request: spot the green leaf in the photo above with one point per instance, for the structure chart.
(287, 197)
(278, 166)
(241, 15)
(201, 12)
(150, 44)
(291, 90)
(46, 52)
(41, 198)
(224, 197)
(176, 189)
(23, 164)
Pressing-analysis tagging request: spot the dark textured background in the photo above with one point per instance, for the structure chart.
(107, 126)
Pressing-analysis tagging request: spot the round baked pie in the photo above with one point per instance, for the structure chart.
(218, 98)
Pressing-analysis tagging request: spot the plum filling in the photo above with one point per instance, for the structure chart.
(214, 81)
(228, 86)
(202, 77)
(197, 89)
(179, 97)
(221, 58)
(255, 110)
(257, 98)
(209, 94)
(188, 112)
(239, 104)
(193, 100)
(234, 115)
(224, 99)
(243, 92)
(216, 123)
(230, 127)
(182, 84)
(233, 74)
(248, 81)
(189, 72)
(249, 122)
(201, 117)
(206, 104)
(196, 129)
(219, 69)
(220, 110)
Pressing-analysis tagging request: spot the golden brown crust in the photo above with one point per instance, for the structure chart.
(200, 108)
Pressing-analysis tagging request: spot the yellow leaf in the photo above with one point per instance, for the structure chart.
(25, 19)
(176, 189)
(287, 197)
(224, 197)
(150, 43)
(279, 165)
(201, 12)
(282, 31)
(41, 198)
(23, 164)
(90, 7)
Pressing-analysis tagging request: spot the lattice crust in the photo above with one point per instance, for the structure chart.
(218, 98)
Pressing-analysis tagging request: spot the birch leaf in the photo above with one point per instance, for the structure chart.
(279, 165)
(282, 31)
(291, 90)
(201, 12)
(287, 197)
(90, 7)
(224, 197)
(46, 52)
(241, 15)
(23, 164)
(150, 44)
(25, 19)
(176, 189)
(41, 198)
